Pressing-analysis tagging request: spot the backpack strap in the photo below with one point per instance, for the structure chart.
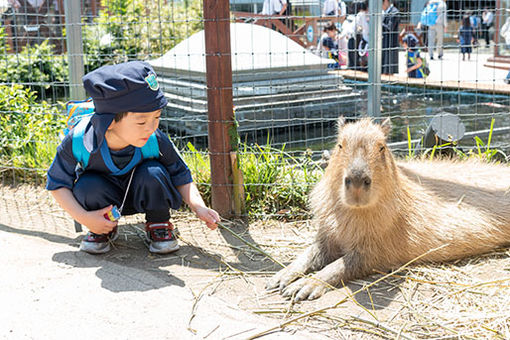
(151, 148)
(80, 153)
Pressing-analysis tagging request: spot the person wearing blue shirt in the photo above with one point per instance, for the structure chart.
(466, 38)
(103, 162)
(413, 58)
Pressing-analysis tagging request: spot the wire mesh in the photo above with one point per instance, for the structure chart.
(291, 80)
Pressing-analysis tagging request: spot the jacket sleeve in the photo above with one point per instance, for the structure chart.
(172, 160)
(61, 173)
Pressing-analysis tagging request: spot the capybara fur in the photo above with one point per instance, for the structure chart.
(374, 213)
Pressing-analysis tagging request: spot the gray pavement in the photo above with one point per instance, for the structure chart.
(49, 290)
(452, 68)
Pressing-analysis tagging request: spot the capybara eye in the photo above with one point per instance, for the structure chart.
(339, 146)
(381, 149)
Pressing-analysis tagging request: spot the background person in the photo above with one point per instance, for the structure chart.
(390, 33)
(414, 61)
(330, 8)
(466, 38)
(487, 21)
(434, 16)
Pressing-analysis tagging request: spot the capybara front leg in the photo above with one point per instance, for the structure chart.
(341, 270)
(308, 260)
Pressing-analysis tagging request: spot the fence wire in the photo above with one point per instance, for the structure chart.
(294, 72)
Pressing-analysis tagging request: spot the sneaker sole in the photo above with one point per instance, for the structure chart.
(163, 251)
(95, 251)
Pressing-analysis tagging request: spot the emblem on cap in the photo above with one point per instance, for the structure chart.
(152, 81)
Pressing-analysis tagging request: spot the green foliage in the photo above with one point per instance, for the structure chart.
(138, 30)
(28, 129)
(37, 67)
(482, 150)
(275, 182)
(485, 151)
(3, 41)
(199, 165)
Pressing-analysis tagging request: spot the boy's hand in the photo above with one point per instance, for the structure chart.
(96, 222)
(209, 216)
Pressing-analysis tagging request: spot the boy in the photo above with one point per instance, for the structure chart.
(413, 58)
(115, 169)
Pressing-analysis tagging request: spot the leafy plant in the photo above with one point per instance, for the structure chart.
(199, 165)
(28, 129)
(138, 30)
(276, 183)
(38, 68)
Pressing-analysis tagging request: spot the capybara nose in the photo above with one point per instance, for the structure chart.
(357, 181)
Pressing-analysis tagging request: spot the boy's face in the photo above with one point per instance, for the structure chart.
(135, 128)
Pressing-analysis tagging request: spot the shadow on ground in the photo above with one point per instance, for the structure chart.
(150, 271)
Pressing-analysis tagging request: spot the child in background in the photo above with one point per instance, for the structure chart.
(466, 38)
(330, 44)
(117, 169)
(413, 58)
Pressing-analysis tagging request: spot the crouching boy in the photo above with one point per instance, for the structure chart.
(118, 157)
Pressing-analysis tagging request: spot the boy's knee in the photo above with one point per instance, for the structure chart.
(86, 184)
(151, 174)
(92, 191)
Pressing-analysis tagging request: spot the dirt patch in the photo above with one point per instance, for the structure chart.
(214, 273)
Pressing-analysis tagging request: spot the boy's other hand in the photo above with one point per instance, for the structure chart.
(209, 216)
(96, 222)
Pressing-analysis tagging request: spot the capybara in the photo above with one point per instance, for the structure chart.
(374, 213)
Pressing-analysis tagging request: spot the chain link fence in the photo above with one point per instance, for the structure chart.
(294, 72)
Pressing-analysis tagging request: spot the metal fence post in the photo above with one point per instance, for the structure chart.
(219, 102)
(74, 48)
(374, 58)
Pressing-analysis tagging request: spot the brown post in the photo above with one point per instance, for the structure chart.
(219, 101)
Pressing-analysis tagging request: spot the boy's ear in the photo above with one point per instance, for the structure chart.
(112, 124)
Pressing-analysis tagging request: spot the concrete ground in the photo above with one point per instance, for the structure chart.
(50, 290)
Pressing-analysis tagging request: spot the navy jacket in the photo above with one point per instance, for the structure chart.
(63, 172)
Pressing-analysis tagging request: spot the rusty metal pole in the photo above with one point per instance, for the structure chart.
(219, 102)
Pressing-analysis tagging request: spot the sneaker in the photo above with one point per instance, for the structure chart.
(98, 243)
(162, 237)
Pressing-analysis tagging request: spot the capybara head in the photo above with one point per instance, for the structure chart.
(361, 166)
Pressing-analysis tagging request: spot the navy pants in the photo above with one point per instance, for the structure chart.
(151, 191)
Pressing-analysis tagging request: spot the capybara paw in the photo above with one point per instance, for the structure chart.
(274, 282)
(281, 279)
(306, 288)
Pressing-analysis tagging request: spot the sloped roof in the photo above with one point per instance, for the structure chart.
(253, 47)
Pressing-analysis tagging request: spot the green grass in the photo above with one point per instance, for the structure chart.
(481, 151)
(275, 182)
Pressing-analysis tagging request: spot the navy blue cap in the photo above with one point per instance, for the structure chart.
(130, 86)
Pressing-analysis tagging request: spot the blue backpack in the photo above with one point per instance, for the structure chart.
(429, 14)
(79, 115)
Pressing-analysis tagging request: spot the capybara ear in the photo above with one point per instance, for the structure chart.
(386, 126)
(340, 123)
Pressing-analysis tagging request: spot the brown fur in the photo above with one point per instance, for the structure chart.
(399, 212)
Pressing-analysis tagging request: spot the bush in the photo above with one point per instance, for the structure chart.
(28, 130)
(138, 30)
(37, 68)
